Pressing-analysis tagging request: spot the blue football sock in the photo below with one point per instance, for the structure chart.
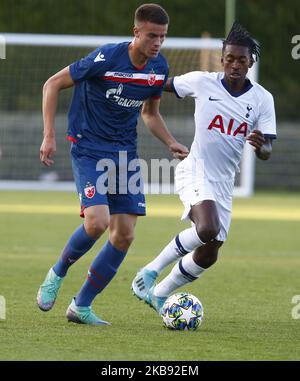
(101, 272)
(78, 245)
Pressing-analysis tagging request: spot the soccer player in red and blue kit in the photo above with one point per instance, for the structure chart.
(111, 86)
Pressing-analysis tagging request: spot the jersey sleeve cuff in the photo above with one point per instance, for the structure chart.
(72, 72)
(270, 136)
(173, 88)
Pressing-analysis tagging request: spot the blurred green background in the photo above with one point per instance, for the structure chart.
(271, 22)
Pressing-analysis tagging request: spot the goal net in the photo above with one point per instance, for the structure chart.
(31, 59)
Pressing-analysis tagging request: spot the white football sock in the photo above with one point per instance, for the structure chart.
(185, 271)
(183, 243)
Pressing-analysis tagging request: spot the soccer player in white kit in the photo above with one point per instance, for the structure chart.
(229, 110)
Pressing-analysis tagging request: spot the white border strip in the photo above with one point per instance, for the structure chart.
(37, 185)
(94, 41)
(69, 186)
(2, 47)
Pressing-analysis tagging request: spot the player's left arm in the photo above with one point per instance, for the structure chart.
(154, 121)
(262, 145)
(262, 137)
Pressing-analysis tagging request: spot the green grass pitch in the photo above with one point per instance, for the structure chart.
(247, 295)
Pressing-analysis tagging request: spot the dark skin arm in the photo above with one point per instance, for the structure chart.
(262, 146)
(168, 86)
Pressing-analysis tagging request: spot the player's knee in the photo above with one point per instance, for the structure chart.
(95, 227)
(122, 240)
(208, 232)
(207, 255)
(127, 239)
(208, 260)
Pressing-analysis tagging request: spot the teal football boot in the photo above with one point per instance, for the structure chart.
(142, 283)
(155, 302)
(47, 292)
(83, 315)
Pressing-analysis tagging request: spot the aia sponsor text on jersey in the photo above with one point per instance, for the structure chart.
(231, 128)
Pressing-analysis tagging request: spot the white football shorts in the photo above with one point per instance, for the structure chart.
(193, 187)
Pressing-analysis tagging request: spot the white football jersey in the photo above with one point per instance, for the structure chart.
(223, 120)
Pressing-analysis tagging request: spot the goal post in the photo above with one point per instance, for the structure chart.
(32, 58)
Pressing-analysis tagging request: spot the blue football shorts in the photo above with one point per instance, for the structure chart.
(109, 178)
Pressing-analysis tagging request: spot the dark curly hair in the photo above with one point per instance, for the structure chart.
(238, 35)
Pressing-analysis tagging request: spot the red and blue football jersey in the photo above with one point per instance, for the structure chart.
(108, 95)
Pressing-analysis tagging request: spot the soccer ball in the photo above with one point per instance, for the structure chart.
(182, 312)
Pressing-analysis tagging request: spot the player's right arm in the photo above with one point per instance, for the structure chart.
(168, 86)
(52, 87)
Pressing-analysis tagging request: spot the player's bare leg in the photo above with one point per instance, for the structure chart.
(205, 217)
(121, 230)
(96, 220)
(95, 223)
(205, 256)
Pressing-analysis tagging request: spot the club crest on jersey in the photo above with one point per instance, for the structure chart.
(89, 190)
(249, 108)
(151, 78)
